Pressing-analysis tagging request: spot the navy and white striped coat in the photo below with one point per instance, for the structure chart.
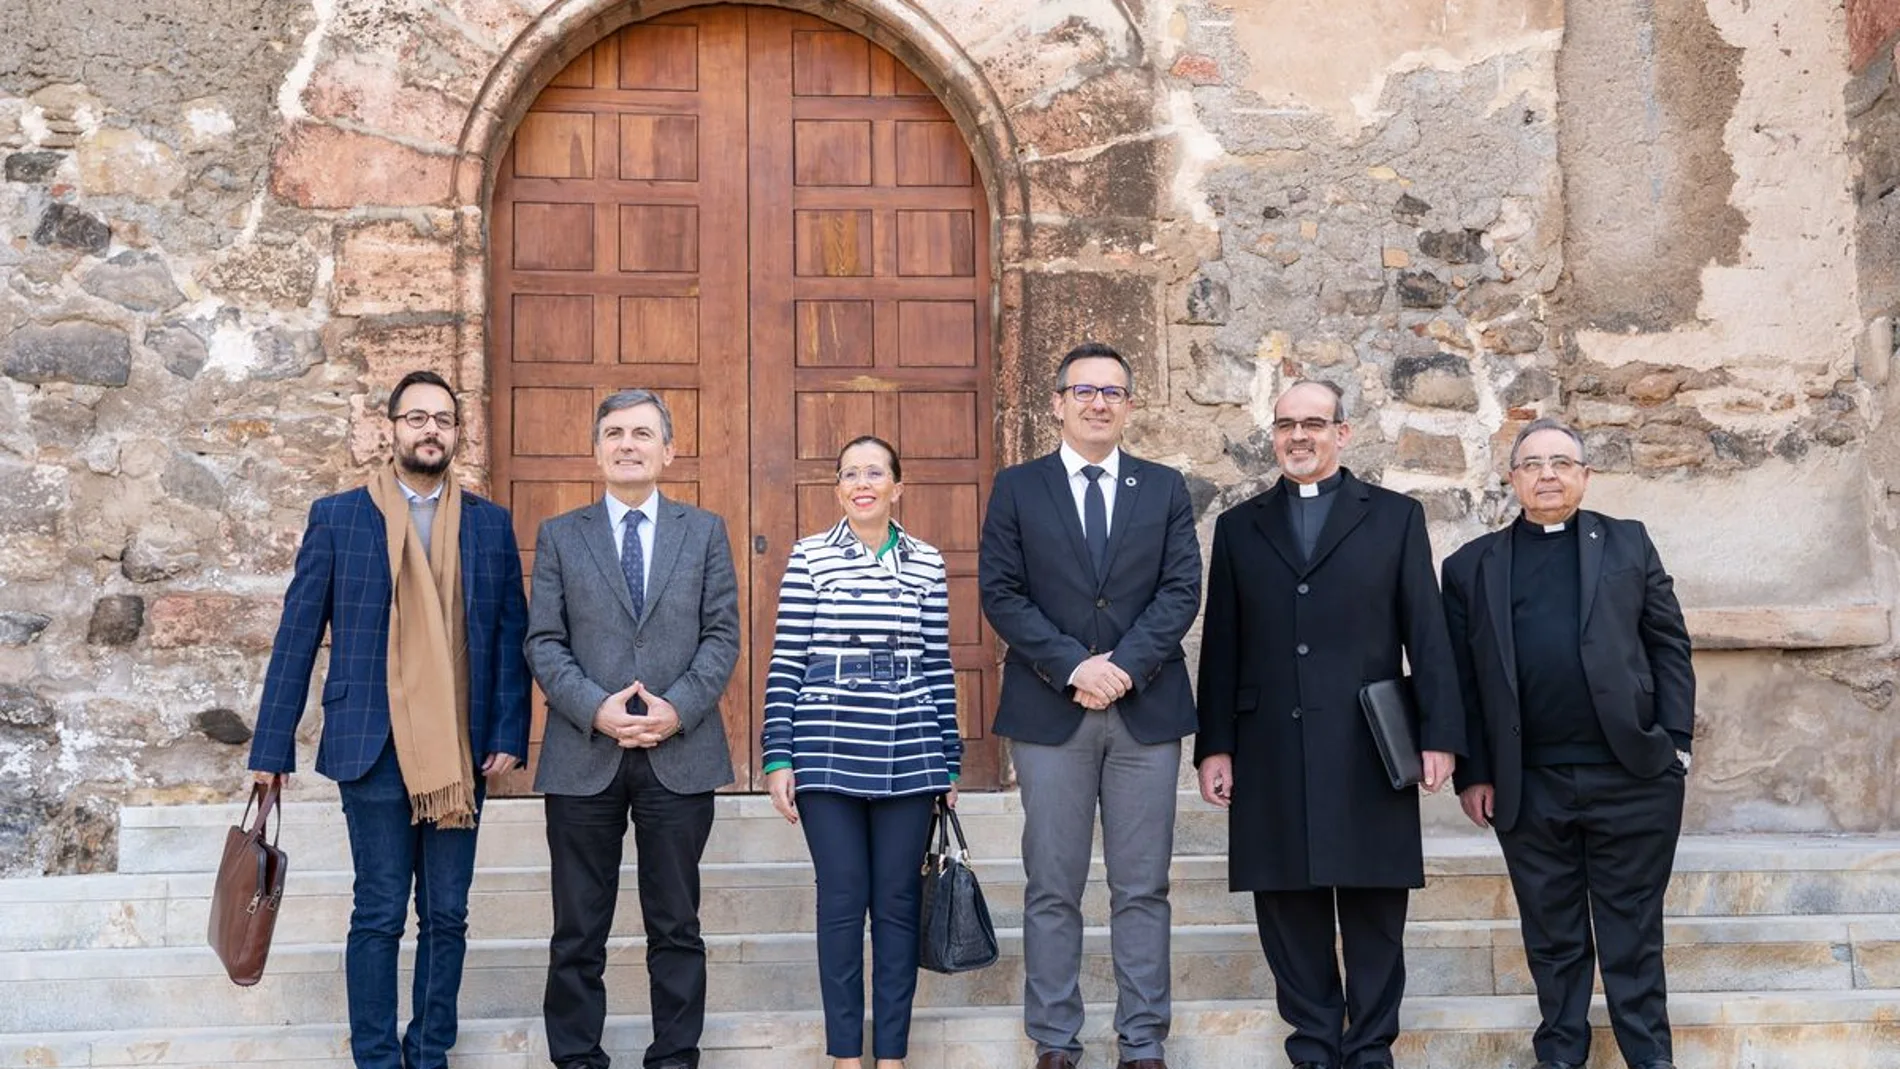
(855, 736)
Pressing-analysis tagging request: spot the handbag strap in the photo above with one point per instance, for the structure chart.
(956, 828)
(940, 827)
(948, 824)
(268, 798)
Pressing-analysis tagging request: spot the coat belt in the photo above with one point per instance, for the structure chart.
(878, 666)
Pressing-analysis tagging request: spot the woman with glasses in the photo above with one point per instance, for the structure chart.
(861, 740)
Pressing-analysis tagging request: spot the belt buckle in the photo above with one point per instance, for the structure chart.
(883, 666)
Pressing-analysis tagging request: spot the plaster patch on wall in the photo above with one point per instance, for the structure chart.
(290, 93)
(208, 123)
(17, 762)
(985, 26)
(1196, 149)
(33, 123)
(1348, 83)
(232, 352)
(1783, 749)
(1814, 553)
(1790, 301)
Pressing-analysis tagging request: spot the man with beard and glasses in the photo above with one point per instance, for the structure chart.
(1319, 586)
(419, 587)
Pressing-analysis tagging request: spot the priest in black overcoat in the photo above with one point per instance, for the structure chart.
(1319, 586)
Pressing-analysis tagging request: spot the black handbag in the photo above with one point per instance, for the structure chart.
(955, 933)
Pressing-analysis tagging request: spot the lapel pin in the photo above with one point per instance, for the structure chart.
(1593, 534)
(1130, 481)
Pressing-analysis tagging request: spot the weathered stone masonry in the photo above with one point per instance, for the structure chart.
(225, 229)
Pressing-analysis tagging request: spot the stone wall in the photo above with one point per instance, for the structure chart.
(1641, 217)
(225, 229)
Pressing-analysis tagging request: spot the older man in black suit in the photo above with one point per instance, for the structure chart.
(1319, 586)
(1580, 701)
(1091, 572)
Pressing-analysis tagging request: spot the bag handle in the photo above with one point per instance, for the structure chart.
(944, 822)
(268, 799)
(948, 825)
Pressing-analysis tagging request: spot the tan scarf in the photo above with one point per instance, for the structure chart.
(428, 656)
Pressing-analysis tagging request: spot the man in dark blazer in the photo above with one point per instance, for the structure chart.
(1317, 587)
(1090, 571)
(633, 633)
(463, 714)
(1580, 699)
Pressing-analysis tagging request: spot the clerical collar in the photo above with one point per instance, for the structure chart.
(1324, 486)
(1532, 527)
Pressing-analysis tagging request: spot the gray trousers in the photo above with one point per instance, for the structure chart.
(1062, 786)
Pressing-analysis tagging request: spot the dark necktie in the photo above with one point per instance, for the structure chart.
(633, 561)
(1095, 517)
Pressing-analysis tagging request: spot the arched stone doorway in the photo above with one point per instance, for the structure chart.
(774, 222)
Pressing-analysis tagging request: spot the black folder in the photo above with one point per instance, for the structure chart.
(1391, 713)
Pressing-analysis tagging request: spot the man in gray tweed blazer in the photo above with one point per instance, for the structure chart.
(633, 631)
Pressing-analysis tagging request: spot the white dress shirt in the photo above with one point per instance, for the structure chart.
(1111, 465)
(616, 519)
(1073, 462)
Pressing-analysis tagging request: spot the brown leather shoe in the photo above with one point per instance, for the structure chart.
(1145, 1063)
(1054, 1059)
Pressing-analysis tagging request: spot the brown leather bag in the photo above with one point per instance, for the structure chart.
(250, 888)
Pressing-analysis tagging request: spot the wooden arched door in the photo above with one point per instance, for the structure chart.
(772, 222)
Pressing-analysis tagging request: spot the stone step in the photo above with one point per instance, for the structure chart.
(1761, 1030)
(145, 988)
(1715, 876)
(188, 838)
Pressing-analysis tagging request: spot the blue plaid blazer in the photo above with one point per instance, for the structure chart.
(342, 583)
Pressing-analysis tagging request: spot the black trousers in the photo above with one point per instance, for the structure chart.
(584, 847)
(867, 853)
(1354, 1027)
(1592, 851)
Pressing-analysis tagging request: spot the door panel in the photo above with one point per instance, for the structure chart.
(770, 222)
(869, 292)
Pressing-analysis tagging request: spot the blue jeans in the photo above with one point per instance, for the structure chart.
(389, 854)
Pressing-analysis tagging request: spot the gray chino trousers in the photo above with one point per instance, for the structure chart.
(1133, 784)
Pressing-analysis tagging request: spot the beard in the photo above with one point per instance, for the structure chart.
(411, 461)
(1303, 465)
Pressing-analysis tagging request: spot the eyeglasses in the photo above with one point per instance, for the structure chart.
(1085, 394)
(1553, 465)
(869, 475)
(419, 419)
(1311, 425)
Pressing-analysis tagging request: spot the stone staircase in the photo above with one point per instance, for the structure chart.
(1783, 951)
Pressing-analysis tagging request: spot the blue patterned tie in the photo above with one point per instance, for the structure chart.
(633, 561)
(1095, 517)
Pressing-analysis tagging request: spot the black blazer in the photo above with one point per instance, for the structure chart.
(1041, 594)
(1287, 645)
(1635, 653)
